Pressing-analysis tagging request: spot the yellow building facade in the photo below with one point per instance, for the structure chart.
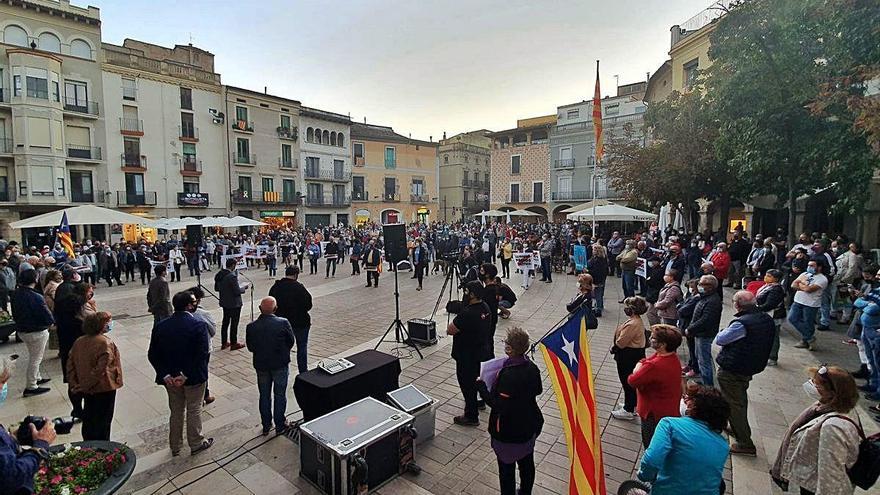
(395, 179)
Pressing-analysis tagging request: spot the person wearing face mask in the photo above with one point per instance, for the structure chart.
(372, 262)
(770, 299)
(808, 287)
(488, 273)
(826, 265)
(628, 259)
(94, 371)
(664, 310)
(628, 349)
(823, 441)
(654, 281)
(704, 325)
(869, 282)
(657, 380)
(869, 307)
(469, 330)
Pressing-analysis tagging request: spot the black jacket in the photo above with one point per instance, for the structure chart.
(686, 310)
(31, 312)
(179, 344)
(707, 316)
(598, 268)
(294, 302)
(270, 339)
(515, 415)
(226, 283)
(748, 355)
(654, 283)
(473, 324)
(772, 301)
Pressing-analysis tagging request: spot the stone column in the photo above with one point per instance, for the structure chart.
(704, 213)
(749, 214)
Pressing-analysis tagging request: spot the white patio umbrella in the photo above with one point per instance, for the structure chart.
(240, 221)
(584, 206)
(490, 213)
(80, 215)
(664, 217)
(523, 213)
(612, 213)
(214, 221)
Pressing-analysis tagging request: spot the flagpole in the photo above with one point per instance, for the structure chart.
(597, 130)
(557, 324)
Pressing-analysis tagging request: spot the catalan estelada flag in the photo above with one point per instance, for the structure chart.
(64, 235)
(597, 118)
(567, 356)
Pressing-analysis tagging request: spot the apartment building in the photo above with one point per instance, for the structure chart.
(520, 166)
(165, 137)
(574, 176)
(262, 139)
(395, 178)
(327, 167)
(52, 117)
(464, 174)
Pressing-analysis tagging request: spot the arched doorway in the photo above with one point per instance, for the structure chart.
(558, 216)
(391, 216)
(540, 211)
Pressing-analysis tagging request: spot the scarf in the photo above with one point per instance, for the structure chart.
(808, 414)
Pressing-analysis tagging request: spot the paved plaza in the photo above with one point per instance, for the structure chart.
(347, 317)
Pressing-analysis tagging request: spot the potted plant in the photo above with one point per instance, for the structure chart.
(94, 467)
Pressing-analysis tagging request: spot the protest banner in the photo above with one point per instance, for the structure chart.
(240, 263)
(641, 267)
(169, 265)
(580, 258)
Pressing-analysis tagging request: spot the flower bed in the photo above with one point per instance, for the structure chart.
(88, 467)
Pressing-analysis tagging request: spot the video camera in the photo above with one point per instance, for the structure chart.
(63, 425)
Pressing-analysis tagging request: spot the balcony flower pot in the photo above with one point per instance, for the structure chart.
(95, 467)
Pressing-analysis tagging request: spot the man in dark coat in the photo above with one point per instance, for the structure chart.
(704, 325)
(469, 330)
(270, 338)
(159, 296)
(226, 284)
(294, 303)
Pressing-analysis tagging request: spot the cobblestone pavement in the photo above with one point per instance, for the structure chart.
(347, 318)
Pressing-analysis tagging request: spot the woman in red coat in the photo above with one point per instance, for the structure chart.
(657, 380)
(721, 260)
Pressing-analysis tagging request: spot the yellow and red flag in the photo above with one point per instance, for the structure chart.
(567, 356)
(64, 235)
(597, 118)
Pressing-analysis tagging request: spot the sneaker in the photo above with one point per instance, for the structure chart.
(623, 414)
(465, 421)
(811, 345)
(771, 362)
(862, 373)
(204, 446)
(42, 381)
(747, 451)
(801, 345)
(236, 346)
(35, 391)
(209, 399)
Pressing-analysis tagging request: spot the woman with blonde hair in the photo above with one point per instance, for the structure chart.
(823, 442)
(584, 296)
(628, 350)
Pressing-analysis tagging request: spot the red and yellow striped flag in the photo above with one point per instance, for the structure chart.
(597, 118)
(64, 235)
(567, 356)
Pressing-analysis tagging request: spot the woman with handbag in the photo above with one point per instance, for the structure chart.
(822, 444)
(176, 257)
(628, 350)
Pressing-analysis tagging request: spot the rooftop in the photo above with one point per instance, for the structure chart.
(258, 94)
(88, 15)
(316, 113)
(182, 61)
(383, 133)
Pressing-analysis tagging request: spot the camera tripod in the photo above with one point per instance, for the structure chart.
(453, 279)
(401, 335)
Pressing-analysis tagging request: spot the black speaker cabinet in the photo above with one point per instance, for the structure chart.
(422, 331)
(395, 242)
(193, 235)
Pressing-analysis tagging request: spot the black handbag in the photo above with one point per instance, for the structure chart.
(592, 321)
(866, 470)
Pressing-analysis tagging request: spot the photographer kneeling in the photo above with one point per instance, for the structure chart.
(19, 464)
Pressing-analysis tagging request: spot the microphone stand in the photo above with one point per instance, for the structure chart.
(251, 283)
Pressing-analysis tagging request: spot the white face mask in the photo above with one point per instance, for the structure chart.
(811, 390)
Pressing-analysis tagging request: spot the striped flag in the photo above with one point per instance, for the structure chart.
(64, 235)
(597, 118)
(567, 356)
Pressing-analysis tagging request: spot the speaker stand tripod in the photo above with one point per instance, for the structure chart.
(401, 335)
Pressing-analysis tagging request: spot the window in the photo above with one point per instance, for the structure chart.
(418, 187)
(538, 192)
(515, 164)
(76, 96)
(187, 126)
(340, 140)
(189, 157)
(244, 186)
(38, 132)
(4, 184)
(318, 136)
(465, 197)
(14, 35)
(564, 188)
(390, 188)
(49, 42)
(134, 189)
(690, 72)
(186, 98)
(81, 187)
(16, 85)
(285, 122)
(313, 166)
(132, 152)
(359, 150)
(241, 114)
(445, 158)
(325, 138)
(339, 194)
(129, 89)
(339, 169)
(243, 150)
(288, 190)
(190, 187)
(358, 188)
(390, 157)
(268, 184)
(56, 94)
(514, 193)
(486, 178)
(310, 135)
(81, 49)
(611, 110)
(286, 156)
(572, 114)
(37, 84)
(333, 139)
(315, 193)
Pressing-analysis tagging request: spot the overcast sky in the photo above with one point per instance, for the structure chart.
(420, 66)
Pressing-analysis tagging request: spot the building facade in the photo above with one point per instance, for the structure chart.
(464, 174)
(520, 166)
(262, 143)
(326, 167)
(574, 176)
(395, 178)
(165, 134)
(52, 117)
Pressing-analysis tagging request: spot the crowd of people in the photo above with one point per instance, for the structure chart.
(672, 279)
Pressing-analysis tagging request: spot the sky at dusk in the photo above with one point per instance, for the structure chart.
(420, 66)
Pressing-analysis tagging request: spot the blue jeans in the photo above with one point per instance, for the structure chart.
(825, 312)
(302, 342)
(871, 339)
(704, 359)
(629, 283)
(546, 269)
(599, 298)
(266, 381)
(804, 319)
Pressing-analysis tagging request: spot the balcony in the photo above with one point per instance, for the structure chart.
(133, 161)
(75, 152)
(82, 196)
(190, 166)
(523, 197)
(255, 197)
(131, 127)
(359, 161)
(188, 133)
(314, 173)
(129, 94)
(584, 195)
(286, 163)
(475, 204)
(243, 125)
(142, 198)
(357, 195)
(389, 197)
(419, 198)
(5, 146)
(563, 164)
(286, 132)
(328, 200)
(241, 159)
(79, 106)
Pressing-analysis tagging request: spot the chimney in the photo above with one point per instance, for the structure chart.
(265, 90)
(676, 34)
(444, 135)
(365, 119)
(431, 138)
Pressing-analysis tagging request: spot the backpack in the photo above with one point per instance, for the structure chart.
(866, 470)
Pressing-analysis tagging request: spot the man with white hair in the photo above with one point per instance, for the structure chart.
(745, 347)
(270, 338)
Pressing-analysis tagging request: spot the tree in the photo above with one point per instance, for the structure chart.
(769, 62)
